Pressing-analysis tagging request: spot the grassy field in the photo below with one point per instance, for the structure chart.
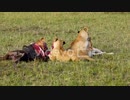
(109, 32)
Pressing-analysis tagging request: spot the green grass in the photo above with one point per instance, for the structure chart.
(109, 32)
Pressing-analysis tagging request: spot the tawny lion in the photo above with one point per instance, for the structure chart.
(58, 53)
(33, 51)
(81, 44)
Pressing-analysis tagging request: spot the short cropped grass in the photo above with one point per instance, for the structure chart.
(109, 32)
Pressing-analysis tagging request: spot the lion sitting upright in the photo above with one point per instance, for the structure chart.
(82, 45)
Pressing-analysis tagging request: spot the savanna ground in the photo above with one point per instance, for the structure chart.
(109, 32)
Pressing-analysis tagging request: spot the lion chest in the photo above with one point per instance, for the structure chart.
(83, 45)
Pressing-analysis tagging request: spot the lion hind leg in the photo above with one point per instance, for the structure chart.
(87, 58)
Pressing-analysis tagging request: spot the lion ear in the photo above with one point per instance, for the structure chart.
(86, 29)
(42, 39)
(56, 38)
(63, 42)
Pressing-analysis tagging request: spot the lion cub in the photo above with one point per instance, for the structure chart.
(58, 53)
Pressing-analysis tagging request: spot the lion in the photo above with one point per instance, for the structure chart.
(33, 51)
(81, 45)
(60, 54)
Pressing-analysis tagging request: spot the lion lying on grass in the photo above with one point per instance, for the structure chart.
(33, 51)
(58, 53)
